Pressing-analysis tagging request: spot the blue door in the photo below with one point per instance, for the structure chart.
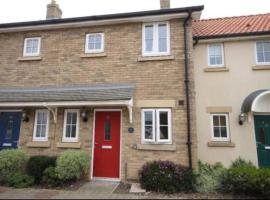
(10, 123)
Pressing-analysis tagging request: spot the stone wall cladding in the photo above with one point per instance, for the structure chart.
(61, 64)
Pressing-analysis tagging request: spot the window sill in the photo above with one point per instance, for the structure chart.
(155, 58)
(69, 145)
(38, 144)
(34, 58)
(220, 144)
(93, 55)
(155, 147)
(261, 67)
(216, 69)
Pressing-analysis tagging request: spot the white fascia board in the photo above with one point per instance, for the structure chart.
(153, 18)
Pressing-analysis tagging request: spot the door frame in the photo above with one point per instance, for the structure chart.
(93, 145)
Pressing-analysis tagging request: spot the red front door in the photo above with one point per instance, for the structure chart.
(107, 144)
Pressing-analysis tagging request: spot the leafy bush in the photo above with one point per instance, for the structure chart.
(209, 177)
(19, 180)
(165, 176)
(72, 165)
(247, 180)
(239, 162)
(50, 177)
(11, 162)
(37, 164)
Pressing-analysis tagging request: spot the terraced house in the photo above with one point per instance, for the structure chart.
(232, 60)
(119, 86)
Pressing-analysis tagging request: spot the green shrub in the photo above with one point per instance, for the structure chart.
(19, 180)
(50, 177)
(165, 176)
(239, 162)
(247, 180)
(209, 177)
(72, 165)
(11, 162)
(37, 164)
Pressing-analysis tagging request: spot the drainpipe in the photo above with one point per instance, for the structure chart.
(186, 40)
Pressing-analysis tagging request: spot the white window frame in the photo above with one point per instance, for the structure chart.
(220, 139)
(222, 54)
(256, 54)
(67, 139)
(155, 51)
(156, 124)
(94, 50)
(25, 54)
(41, 139)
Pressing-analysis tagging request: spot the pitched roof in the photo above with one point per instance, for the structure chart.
(232, 26)
(69, 93)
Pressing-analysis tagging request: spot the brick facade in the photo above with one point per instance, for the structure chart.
(63, 63)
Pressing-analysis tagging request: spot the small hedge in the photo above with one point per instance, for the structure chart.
(50, 178)
(20, 180)
(209, 177)
(37, 164)
(72, 165)
(165, 176)
(11, 162)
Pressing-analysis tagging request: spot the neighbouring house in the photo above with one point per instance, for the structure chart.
(232, 76)
(120, 87)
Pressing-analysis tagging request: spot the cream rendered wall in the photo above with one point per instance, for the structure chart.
(227, 89)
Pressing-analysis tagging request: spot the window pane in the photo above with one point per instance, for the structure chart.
(211, 50)
(148, 117)
(98, 46)
(216, 120)
(43, 131)
(163, 118)
(91, 39)
(222, 120)
(107, 129)
(74, 118)
(148, 132)
(223, 132)
(218, 60)
(98, 38)
(262, 137)
(216, 132)
(212, 60)
(162, 45)
(260, 57)
(148, 45)
(9, 128)
(259, 47)
(164, 132)
(91, 46)
(162, 31)
(69, 118)
(68, 129)
(149, 32)
(38, 131)
(267, 57)
(73, 132)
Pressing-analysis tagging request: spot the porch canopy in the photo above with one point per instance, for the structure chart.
(258, 101)
(75, 96)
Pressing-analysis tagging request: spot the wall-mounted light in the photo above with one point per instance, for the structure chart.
(242, 118)
(25, 117)
(84, 115)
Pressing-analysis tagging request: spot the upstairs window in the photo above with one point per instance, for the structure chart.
(156, 39)
(215, 55)
(94, 43)
(32, 46)
(41, 126)
(263, 52)
(220, 127)
(156, 126)
(71, 126)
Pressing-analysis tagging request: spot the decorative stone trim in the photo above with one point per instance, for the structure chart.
(34, 58)
(69, 145)
(219, 109)
(93, 55)
(155, 147)
(154, 58)
(261, 67)
(35, 144)
(221, 144)
(216, 69)
(156, 103)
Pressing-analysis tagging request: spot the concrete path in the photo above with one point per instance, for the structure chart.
(91, 190)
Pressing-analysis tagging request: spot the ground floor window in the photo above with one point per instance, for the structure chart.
(41, 125)
(220, 127)
(156, 126)
(71, 125)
